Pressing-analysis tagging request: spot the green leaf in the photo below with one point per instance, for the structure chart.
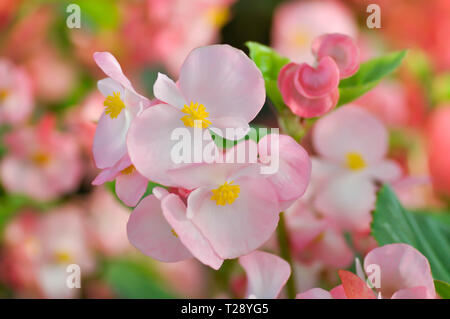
(368, 76)
(269, 63)
(394, 224)
(442, 289)
(133, 279)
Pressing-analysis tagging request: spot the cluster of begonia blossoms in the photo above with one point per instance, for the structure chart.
(226, 209)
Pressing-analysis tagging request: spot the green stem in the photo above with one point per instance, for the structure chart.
(285, 252)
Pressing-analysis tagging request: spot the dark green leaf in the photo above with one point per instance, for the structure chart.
(368, 76)
(394, 224)
(442, 289)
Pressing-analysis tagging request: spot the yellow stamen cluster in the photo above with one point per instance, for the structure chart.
(226, 194)
(114, 105)
(3, 94)
(218, 16)
(63, 257)
(196, 115)
(355, 161)
(40, 158)
(129, 170)
(174, 233)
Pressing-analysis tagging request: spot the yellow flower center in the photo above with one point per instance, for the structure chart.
(3, 94)
(129, 170)
(196, 115)
(218, 16)
(300, 38)
(114, 105)
(174, 233)
(355, 161)
(226, 193)
(63, 257)
(40, 158)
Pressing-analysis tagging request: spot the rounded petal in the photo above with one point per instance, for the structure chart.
(341, 48)
(150, 142)
(401, 267)
(130, 187)
(293, 172)
(149, 232)
(108, 63)
(175, 212)
(385, 171)
(110, 173)
(348, 199)
(413, 293)
(266, 274)
(232, 128)
(224, 80)
(108, 86)
(299, 104)
(110, 139)
(350, 129)
(314, 293)
(167, 91)
(317, 82)
(241, 227)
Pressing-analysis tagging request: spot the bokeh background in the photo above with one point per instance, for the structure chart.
(51, 216)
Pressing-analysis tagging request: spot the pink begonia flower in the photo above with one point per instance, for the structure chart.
(39, 249)
(311, 92)
(351, 145)
(316, 239)
(293, 174)
(298, 23)
(298, 103)
(341, 48)
(438, 145)
(42, 162)
(266, 274)
(159, 228)
(122, 105)
(388, 101)
(404, 274)
(16, 94)
(233, 205)
(106, 220)
(219, 87)
(130, 184)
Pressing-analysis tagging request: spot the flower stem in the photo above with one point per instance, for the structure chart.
(285, 252)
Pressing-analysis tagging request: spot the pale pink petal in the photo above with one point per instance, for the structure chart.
(167, 91)
(130, 187)
(314, 293)
(341, 48)
(175, 212)
(108, 63)
(149, 232)
(266, 274)
(413, 293)
(385, 171)
(317, 82)
(110, 139)
(241, 227)
(293, 173)
(109, 86)
(332, 250)
(110, 173)
(224, 80)
(348, 199)
(150, 142)
(299, 104)
(401, 267)
(232, 128)
(350, 129)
